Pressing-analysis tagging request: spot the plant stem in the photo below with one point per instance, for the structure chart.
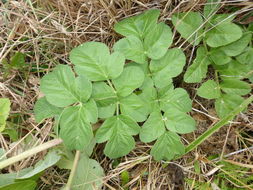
(218, 125)
(30, 152)
(73, 171)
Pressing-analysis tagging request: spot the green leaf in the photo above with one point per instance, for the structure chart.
(178, 121)
(235, 86)
(138, 25)
(62, 88)
(134, 107)
(18, 60)
(132, 48)
(246, 57)
(93, 60)
(103, 94)
(105, 112)
(43, 109)
(221, 19)
(152, 128)
(223, 34)
(176, 99)
(237, 47)
(189, 26)
(219, 57)
(21, 185)
(91, 111)
(4, 112)
(89, 175)
(167, 147)
(197, 71)
(227, 103)
(157, 41)
(131, 78)
(75, 129)
(209, 90)
(211, 7)
(233, 70)
(118, 130)
(50, 159)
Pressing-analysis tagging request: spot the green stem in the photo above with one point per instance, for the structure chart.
(30, 152)
(218, 125)
(73, 171)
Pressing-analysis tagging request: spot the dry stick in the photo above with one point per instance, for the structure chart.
(30, 152)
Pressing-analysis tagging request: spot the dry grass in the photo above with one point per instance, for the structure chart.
(46, 30)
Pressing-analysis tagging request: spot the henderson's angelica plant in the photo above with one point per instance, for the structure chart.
(137, 97)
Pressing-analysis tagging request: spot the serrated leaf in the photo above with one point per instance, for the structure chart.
(237, 47)
(211, 7)
(132, 48)
(50, 159)
(234, 86)
(43, 110)
(89, 175)
(62, 88)
(179, 122)
(103, 94)
(4, 112)
(106, 112)
(167, 147)
(197, 71)
(153, 127)
(134, 107)
(227, 103)
(189, 26)
(20, 185)
(131, 78)
(138, 25)
(158, 41)
(219, 57)
(176, 99)
(246, 57)
(75, 129)
(209, 90)
(169, 66)
(93, 60)
(223, 34)
(118, 130)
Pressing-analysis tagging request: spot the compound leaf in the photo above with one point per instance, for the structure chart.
(157, 41)
(131, 78)
(152, 128)
(4, 112)
(93, 60)
(167, 147)
(189, 26)
(223, 34)
(132, 48)
(75, 130)
(138, 25)
(197, 71)
(118, 130)
(235, 86)
(209, 90)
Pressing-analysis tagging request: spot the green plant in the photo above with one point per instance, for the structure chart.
(4, 112)
(223, 45)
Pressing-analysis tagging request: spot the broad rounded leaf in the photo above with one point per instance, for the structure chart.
(62, 88)
(138, 25)
(75, 129)
(169, 66)
(131, 78)
(246, 57)
(91, 111)
(132, 48)
(211, 7)
(227, 103)
(167, 147)
(189, 25)
(43, 109)
(197, 71)
(233, 70)
(105, 112)
(223, 34)
(179, 122)
(4, 112)
(158, 41)
(209, 90)
(93, 60)
(235, 86)
(219, 57)
(153, 128)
